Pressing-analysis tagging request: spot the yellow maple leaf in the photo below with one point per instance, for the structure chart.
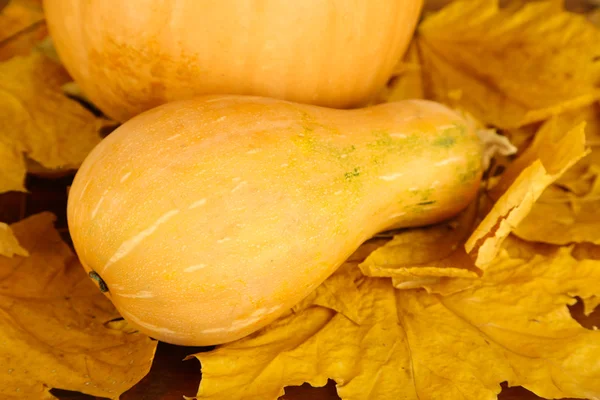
(39, 120)
(9, 246)
(327, 294)
(12, 166)
(51, 324)
(511, 325)
(588, 251)
(19, 16)
(22, 25)
(486, 59)
(512, 246)
(522, 136)
(521, 185)
(594, 16)
(435, 5)
(418, 257)
(407, 80)
(564, 222)
(579, 179)
(590, 304)
(568, 211)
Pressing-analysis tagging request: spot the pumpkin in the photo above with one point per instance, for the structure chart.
(206, 219)
(129, 56)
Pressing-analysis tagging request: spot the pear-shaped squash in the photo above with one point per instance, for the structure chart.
(208, 218)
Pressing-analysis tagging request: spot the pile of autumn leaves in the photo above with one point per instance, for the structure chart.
(449, 311)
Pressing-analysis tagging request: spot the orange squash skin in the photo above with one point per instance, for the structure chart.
(129, 56)
(209, 218)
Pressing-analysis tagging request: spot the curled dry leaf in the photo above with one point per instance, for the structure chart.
(21, 27)
(12, 165)
(523, 136)
(51, 324)
(521, 185)
(18, 21)
(588, 251)
(476, 56)
(17, 17)
(578, 178)
(561, 218)
(511, 325)
(594, 16)
(39, 120)
(328, 293)
(570, 210)
(407, 81)
(9, 246)
(419, 257)
(590, 305)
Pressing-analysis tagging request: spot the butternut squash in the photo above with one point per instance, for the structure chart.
(129, 56)
(206, 219)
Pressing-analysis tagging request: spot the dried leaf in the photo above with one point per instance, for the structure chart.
(560, 222)
(512, 246)
(435, 5)
(21, 43)
(594, 17)
(591, 115)
(39, 120)
(590, 304)
(347, 276)
(588, 251)
(19, 16)
(419, 257)
(522, 136)
(51, 324)
(407, 80)
(557, 127)
(569, 211)
(522, 249)
(9, 245)
(580, 178)
(512, 325)
(585, 251)
(12, 166)
(521, 185)
(486, 60)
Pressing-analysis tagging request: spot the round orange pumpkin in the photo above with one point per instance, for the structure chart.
(129, 56)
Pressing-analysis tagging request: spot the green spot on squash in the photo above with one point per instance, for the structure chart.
(472, 170)
(352, 174)
(445, 141)
(451, 136)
